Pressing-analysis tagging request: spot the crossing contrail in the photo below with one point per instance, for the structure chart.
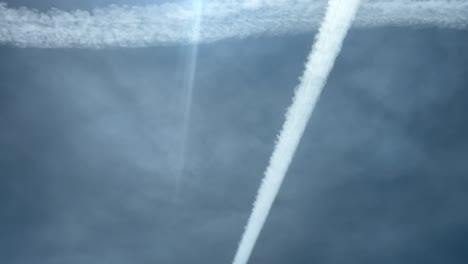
(338, 19)
(171, 23)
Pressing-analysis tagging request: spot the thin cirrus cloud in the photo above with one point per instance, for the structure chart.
(170, 23)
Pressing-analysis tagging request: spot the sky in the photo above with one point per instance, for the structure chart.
(90, 143)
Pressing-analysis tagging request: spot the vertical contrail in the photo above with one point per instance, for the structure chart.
(337, 21)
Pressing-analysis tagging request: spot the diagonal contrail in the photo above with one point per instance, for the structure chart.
(338, 19)
(171, 23)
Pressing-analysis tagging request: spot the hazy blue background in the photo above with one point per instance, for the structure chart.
(89, 142)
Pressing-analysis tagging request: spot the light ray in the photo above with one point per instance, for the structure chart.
(187, 98)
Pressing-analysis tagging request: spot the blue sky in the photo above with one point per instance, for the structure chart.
(90, 140)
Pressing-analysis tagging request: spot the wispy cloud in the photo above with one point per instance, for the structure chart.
(338, 19)
(171, 23)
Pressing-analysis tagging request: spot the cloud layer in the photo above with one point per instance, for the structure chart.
(170, 23)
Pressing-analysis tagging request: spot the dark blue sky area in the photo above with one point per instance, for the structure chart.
(90, 141)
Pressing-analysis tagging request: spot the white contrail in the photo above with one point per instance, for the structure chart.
(170, 23)
(338, 19)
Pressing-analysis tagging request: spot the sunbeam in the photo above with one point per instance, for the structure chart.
(187, 97)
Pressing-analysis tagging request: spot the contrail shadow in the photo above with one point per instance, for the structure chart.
(187, 97)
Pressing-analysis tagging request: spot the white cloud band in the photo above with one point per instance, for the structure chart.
(169, 24)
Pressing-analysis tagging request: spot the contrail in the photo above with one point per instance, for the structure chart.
(338, 19)
(171, 23)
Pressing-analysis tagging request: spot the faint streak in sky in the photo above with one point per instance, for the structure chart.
(338, 19)
(170, 23)
(188, 86)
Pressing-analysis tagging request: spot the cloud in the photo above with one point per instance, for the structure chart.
(170, 23)
(337, 21)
